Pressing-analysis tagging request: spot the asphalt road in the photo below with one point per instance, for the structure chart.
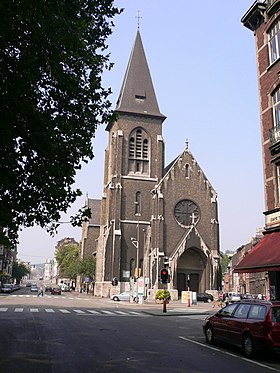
(74, 334)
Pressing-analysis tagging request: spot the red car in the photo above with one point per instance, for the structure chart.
(250, 324)
(56, 291)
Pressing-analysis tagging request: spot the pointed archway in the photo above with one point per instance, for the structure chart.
(191, 271)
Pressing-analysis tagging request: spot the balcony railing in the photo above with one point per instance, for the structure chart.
(274, 135)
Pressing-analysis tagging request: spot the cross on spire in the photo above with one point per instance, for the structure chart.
(138, 19)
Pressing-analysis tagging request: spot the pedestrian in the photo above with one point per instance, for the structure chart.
(41, 291)
(226, 300)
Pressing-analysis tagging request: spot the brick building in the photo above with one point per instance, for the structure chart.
(151, 214)
(263, 18)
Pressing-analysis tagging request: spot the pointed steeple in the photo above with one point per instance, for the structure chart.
(137, 93)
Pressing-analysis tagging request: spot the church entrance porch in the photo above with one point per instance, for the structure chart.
(191, 271)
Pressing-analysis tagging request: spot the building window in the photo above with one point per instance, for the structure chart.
(277, 182)
(276, 108)
(137, 203)
(274, 42)
(187, 170)
(132, 267)
(139, 152)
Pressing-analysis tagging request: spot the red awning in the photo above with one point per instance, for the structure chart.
(265, 256)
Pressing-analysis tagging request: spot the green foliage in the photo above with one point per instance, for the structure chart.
(19, 270)
(224, 263)
(68, 260)
(161, 294)
(87, 266)
(52, 57)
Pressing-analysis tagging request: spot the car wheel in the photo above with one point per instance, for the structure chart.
(209, 335)
(248, 347)
(115, 299)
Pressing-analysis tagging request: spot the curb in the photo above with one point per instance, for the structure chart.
(170, 313)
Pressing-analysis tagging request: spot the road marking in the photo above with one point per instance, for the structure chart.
(3, 309)
(135, 313)
(49, 310)
(34, 310)
(121, 312)
(108, 312)
(228, 353)
(94, 312)
(79, 311)
(64, 311)
(18, 309)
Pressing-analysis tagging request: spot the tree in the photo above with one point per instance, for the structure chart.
(224, 263)
(68, 260)
(19, 270)
(52, 56)
(87, 266)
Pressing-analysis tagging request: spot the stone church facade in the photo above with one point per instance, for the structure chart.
(153, 216)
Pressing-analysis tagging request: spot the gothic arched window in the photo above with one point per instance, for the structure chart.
(137, 203)
(187, 170)
(139, 152)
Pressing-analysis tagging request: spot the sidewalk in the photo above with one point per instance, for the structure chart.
(174, 308)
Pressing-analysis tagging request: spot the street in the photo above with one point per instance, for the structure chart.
(75, 333)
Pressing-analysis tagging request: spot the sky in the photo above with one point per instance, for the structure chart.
(203, 66)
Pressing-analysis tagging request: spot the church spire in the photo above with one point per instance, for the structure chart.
(137, 93)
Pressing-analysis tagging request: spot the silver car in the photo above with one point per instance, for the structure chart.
(125, 295)
(7, 288)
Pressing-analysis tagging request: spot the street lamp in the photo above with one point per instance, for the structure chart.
(138, 214)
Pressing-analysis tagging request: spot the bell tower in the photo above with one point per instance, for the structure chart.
(134, 164)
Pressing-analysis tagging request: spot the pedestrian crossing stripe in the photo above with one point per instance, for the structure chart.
(48, 296)
(74, 311)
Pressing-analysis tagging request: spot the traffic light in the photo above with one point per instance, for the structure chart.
(164, 276)
(166, 261)
(115, 281)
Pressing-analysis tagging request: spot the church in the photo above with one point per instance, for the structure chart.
(151, 215)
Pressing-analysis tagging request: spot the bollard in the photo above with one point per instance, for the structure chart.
(164, 305)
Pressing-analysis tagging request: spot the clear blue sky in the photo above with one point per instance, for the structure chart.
(203, 65)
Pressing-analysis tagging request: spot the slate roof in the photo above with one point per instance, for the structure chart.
(137, 94)
(95, 207)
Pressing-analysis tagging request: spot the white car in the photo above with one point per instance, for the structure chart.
(125, 295)
(234, 297)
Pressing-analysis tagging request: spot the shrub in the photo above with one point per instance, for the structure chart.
(161, 294)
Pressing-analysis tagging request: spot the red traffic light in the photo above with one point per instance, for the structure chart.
(164, 276)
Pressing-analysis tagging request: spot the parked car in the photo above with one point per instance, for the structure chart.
(34, 288)
(122, 296)
(64, 287)
(7, 288)
(250, 324)
(204, 297)
(56, 290)
(247, 296)
(16, 287)
(233, 297)
(28, 284)
(48, 288)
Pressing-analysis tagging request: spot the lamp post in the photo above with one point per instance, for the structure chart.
(138, 214)
(136, 244)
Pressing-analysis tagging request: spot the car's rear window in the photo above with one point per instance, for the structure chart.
(257, 312)
(276, 314)
(242, 311)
